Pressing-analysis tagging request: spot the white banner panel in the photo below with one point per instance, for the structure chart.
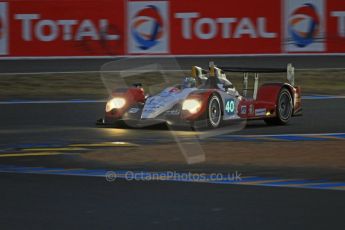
(304, 26)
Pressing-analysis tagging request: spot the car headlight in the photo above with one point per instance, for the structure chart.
(192, 105)
(115, 103)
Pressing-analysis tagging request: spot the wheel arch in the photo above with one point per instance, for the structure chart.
(291, 90)
(269, 92)
(278, 119)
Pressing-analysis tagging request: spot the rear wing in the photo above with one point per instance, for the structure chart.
(290, 71)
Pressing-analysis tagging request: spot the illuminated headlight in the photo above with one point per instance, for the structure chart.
(192, 105)
(115, 103)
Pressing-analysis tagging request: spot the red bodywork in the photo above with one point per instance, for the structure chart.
(203, 97)
(266, 99)
(132, 96)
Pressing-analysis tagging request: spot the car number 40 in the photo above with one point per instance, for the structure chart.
(230, 107)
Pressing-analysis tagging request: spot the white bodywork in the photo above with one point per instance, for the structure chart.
(164, 101)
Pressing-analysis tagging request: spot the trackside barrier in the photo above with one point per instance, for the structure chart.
(117, 28)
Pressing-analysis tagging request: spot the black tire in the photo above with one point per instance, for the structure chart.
(284, 108)
(214, 113)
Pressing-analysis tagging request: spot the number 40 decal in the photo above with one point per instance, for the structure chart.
(230, 106)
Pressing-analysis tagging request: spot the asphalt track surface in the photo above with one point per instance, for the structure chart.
(49, 123)
(50, 201)
(60, 202)
(35, 201)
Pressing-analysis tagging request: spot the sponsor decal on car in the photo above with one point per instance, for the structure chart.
(174, 112)
(243, 109)
(133, 110)
(260, 112)
(251, 109)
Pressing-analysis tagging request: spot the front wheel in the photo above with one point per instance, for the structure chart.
(214, 112)
(284, 108)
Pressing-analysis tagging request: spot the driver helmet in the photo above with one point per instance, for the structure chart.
(189, 82)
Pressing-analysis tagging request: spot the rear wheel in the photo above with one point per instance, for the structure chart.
(284, 108)
(214, 112)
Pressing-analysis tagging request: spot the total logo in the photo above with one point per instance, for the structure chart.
(148, 27)
(147, 37)
(34, 27)
(3, 28)
(230, 27)
(304, 25)
(308, 16)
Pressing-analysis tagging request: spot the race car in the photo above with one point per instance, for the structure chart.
(207, 99)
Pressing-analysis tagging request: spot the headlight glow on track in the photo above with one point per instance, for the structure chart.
(115, 103)
(191, 105)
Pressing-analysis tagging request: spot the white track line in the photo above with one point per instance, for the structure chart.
(297, 134)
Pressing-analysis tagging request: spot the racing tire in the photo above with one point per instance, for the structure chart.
(284, 108)
(214, 113)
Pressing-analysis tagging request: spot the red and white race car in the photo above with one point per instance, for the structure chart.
(207, 98)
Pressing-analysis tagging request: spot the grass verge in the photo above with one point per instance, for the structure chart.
(97, 85)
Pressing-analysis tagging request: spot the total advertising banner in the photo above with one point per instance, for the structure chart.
(335, 26)
(62, 27)
(89, 28)
(304, 26)
(4, 29)
(222, 27)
